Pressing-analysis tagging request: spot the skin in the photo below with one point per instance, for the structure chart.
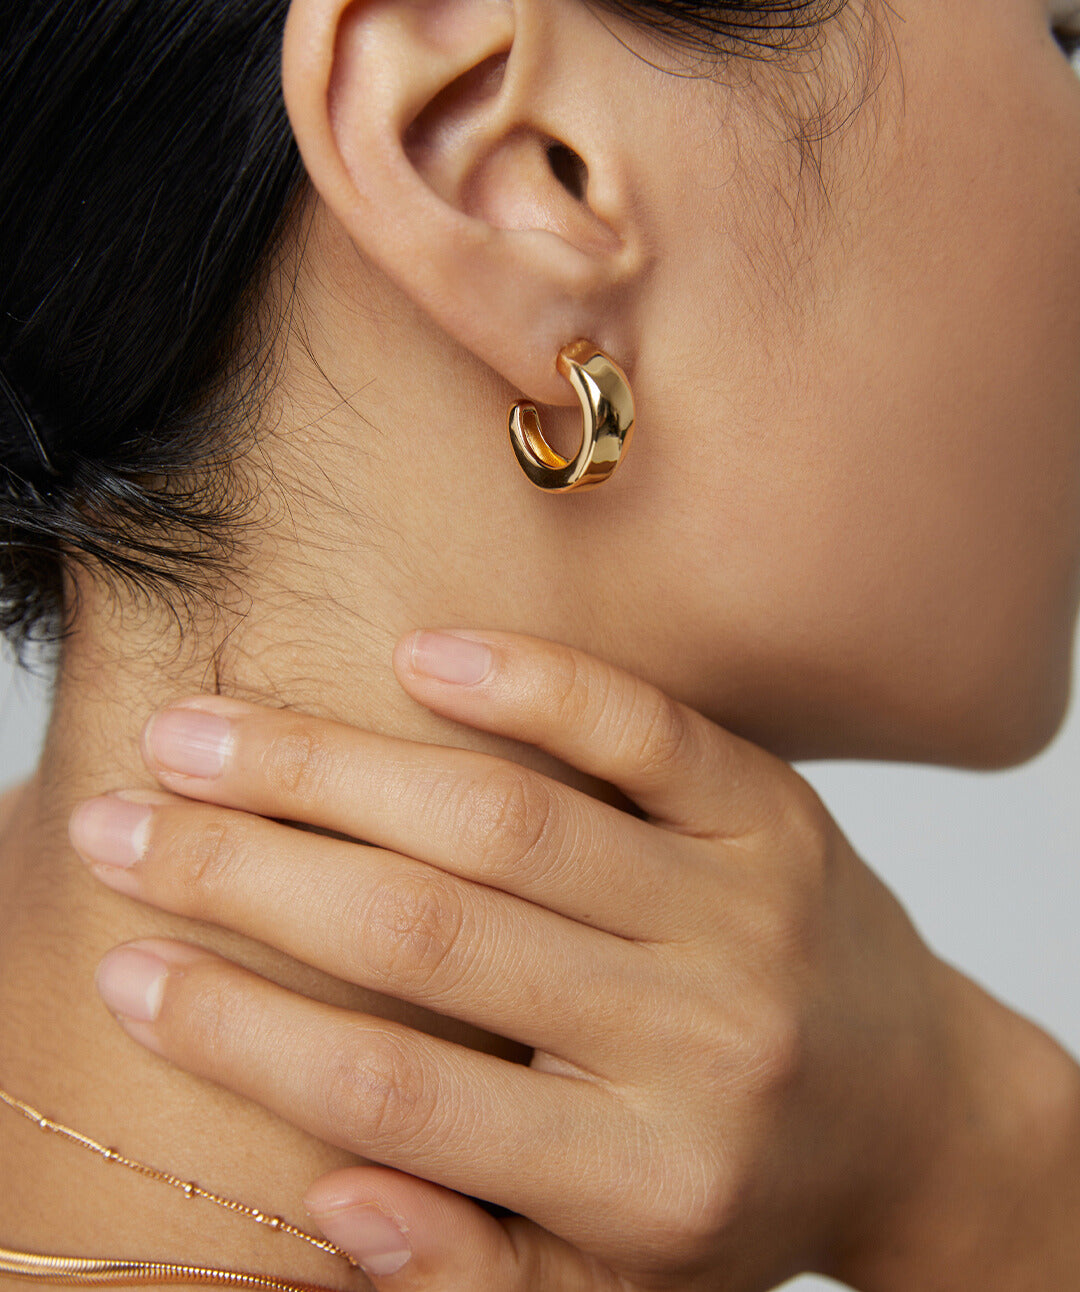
(774, 987)
(848, 525)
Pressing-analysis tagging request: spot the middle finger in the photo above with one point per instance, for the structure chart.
(467, 812)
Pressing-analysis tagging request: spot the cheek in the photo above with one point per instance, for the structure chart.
(918, 514)
(957, 402)
(884, 577)
(889, 503)
(929, 556)
(883, 563)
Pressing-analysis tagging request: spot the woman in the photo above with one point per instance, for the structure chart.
(523, 943)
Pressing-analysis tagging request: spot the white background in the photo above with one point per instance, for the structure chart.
(987, 863)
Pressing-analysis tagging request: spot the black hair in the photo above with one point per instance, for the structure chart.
(753, 29)
(147, 168)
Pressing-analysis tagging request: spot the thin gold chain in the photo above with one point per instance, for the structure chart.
(85, 1271)
(62, 1269)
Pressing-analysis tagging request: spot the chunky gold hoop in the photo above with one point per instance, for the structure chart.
(607, 406)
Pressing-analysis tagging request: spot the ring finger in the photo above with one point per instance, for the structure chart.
(377, 919)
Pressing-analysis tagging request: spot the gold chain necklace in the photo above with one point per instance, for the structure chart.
(101, 1272)
(84, 1271)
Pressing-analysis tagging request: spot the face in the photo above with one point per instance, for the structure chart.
(863, 437)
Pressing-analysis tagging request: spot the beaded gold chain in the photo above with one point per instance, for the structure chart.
(72, 1270)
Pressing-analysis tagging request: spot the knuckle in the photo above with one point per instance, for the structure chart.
(413, 929)
(579, 691)
(507, 819)
(659, 732)
(811, 839)
(758, 1049)
(376, 1092)
(645, 725)
(780, 1050)
(754, 1049)
(214, 855)
(592, 702)
(206, 1011)
(771, 1051)
(692, 1204)
(298, 766)
(807, 826)
(784, 927)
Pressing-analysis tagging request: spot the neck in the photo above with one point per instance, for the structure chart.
(60, 1050)
(325, 599)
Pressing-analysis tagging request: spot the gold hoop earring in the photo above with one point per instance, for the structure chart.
(607, 406)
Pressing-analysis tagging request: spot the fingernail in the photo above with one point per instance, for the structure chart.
(374, 1241)
(110, 831)
(449, 658)
(132, 983)
(190, 742)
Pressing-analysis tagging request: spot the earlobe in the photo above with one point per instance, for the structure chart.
(432, 133)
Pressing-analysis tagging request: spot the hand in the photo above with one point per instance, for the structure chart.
(741, 1046)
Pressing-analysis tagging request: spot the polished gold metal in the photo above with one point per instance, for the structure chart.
(85, 1271)
(77, 1269)
(607, 406)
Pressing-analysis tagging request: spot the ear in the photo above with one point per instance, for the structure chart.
(472, 150)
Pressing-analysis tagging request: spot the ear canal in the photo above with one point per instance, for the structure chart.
(569, 169)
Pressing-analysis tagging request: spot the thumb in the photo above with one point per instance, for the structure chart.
(408, 1234)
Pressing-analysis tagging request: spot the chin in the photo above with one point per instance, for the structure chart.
(984, 703)
(1016, 737)
(1014, 717)
(981, 722)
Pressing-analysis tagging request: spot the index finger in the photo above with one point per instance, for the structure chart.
(683, 770)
